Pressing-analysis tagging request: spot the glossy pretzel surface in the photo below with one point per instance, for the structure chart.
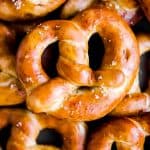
(11, 10)
(26, 127)
(63, 96)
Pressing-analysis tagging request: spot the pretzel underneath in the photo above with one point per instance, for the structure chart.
(11, 90)
(128, 133)
(11, 10)
(26, 127)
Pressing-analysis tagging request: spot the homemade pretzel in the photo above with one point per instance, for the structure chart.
(27, 9)
(128, 9)
(64, 97)
(128, 133)
(136, 102)
(11, 91)
(145, 6)
(26, 127)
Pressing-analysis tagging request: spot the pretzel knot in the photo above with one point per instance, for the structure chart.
(131, 134)
(27, 9)
(79, 93)
(26, 127)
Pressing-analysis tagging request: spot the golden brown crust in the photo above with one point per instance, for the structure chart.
(136, 101)
(26, 9)
(26, 127)
(101, 94)
(128, 133)
(128, 9)
(11, 91)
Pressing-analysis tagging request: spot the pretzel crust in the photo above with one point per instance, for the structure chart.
(129, 10)
(27, 9)
(26, 127)
(136, 102)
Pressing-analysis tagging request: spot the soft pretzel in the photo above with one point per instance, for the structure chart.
(26, 127)
(26, 9)
(11, 91)
(145, 6)
(129, 10)
(128, 133)
(136, 101)
(64, 97)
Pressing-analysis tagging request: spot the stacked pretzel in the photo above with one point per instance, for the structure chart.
(77, 93)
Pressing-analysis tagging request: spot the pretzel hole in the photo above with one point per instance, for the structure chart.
(49, 59)
(147, 143)
(144, 73)
(114, 147)
(142, 26)
(4, 136)
(96, 51)
(49, 137)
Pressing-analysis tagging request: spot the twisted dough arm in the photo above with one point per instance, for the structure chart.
(128, 133)
(11, 90)
(136, 102)
(26, 127)
(27, 9)
(129, 10)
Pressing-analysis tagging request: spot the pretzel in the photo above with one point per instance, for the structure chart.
(136, 101)
(128, 133)
(129, 10)
(145, 6)
(63, 96)
(27, 9)
(26, 127)
(11, 90)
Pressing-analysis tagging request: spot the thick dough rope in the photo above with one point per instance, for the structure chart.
(136, 102)
(65, 97)
(11, 90)
(11, 10)
(26, 127)
(128, 133)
